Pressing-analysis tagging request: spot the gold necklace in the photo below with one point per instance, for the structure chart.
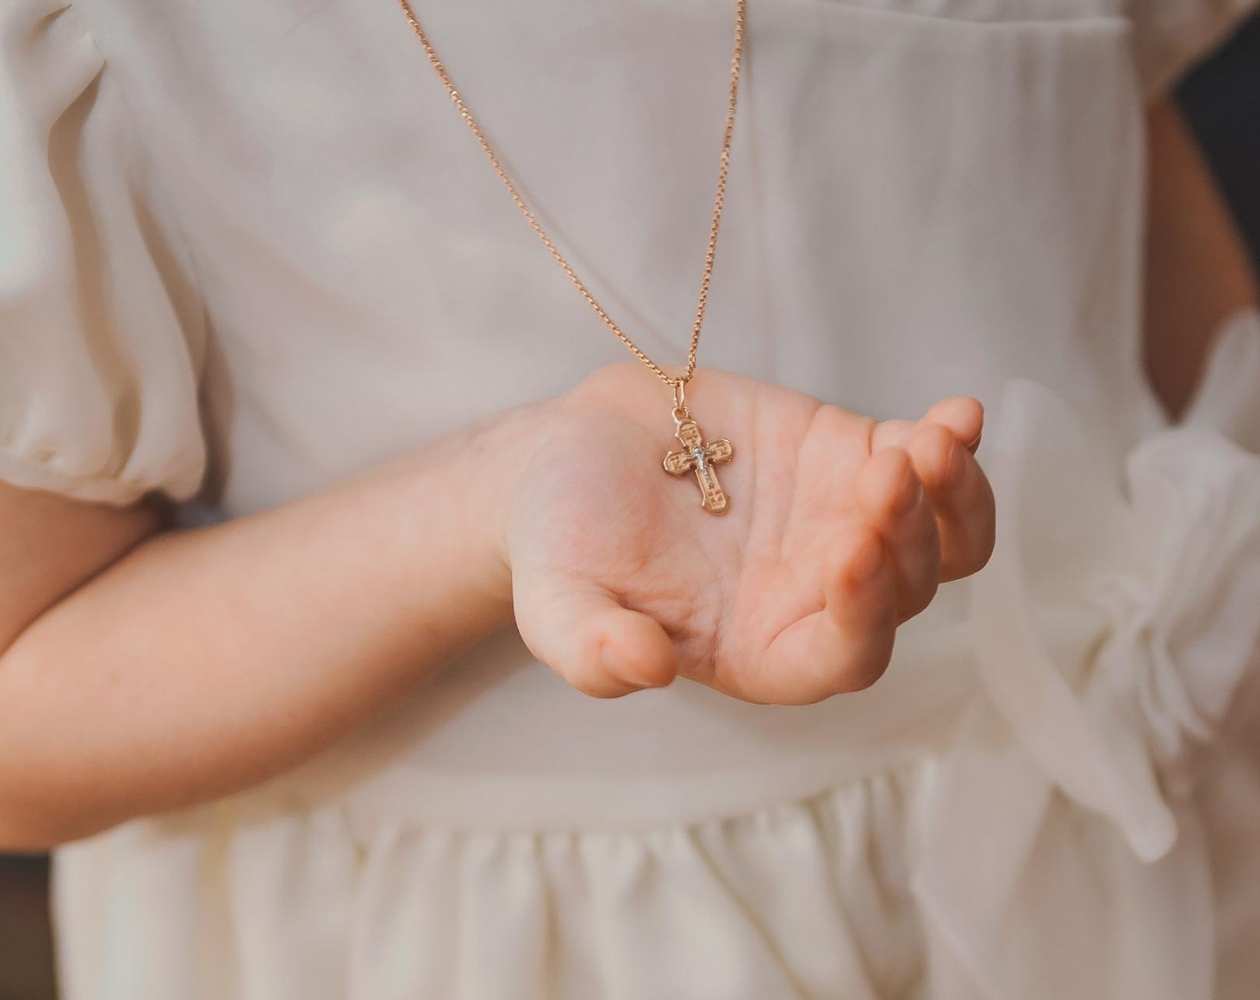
(697, 455)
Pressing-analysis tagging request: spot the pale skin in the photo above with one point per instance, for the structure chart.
(122, 693)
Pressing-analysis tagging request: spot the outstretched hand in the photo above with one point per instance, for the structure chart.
(839, 528)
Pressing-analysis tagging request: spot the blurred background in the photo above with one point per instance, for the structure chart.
(1222, 101)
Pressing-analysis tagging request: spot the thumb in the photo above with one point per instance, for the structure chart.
(600, 647)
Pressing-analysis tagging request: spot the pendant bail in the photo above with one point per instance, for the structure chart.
(680, 400)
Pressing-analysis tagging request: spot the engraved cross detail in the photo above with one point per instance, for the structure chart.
(699, 457)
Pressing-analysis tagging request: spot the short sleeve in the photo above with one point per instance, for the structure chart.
(101, 328)
(1170, 35)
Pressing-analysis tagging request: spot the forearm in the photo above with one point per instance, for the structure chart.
(1198, 273)
(206, 661)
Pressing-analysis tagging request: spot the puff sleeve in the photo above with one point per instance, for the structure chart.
(101, 329)
(1170, 35)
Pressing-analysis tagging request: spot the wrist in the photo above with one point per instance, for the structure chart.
(459, 494)
(496, 456)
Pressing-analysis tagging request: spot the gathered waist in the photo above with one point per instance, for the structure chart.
(499, 743)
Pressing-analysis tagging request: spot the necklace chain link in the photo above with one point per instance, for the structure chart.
(719, 198)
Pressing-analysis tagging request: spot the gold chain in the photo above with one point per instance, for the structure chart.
(718, 200)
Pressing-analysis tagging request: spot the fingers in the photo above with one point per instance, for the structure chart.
(891, 434)
(892, 500)
(959, 494)
(847, 645)
(598, 646)
(961, 415)
(941, 446)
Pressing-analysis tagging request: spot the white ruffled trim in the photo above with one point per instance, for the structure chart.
(38, 472)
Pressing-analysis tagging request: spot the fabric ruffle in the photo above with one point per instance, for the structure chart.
(100, 329)
(805, 899)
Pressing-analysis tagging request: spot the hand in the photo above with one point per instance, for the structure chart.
(839, 528)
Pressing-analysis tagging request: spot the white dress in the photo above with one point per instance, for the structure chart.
(249, 248)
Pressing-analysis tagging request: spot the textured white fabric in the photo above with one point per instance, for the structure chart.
(270, 210)
(1119, 615)
(101, 330)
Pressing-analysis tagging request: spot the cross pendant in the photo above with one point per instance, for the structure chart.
(700, 457)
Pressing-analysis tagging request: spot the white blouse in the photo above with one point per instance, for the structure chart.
(248, 249)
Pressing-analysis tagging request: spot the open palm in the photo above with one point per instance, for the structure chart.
(838, 529)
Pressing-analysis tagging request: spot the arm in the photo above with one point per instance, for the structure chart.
(1198, 273)
(201, 662)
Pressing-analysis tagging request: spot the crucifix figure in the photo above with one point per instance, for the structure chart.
(700, 457)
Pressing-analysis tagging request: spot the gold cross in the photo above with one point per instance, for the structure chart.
(701, 458)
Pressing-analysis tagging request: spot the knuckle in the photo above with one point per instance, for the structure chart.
(864, 672)
(918, 599)
(865, 667)
(971, 559)
(981, 553)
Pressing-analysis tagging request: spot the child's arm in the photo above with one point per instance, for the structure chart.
(1198, 273)
(202, 662)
